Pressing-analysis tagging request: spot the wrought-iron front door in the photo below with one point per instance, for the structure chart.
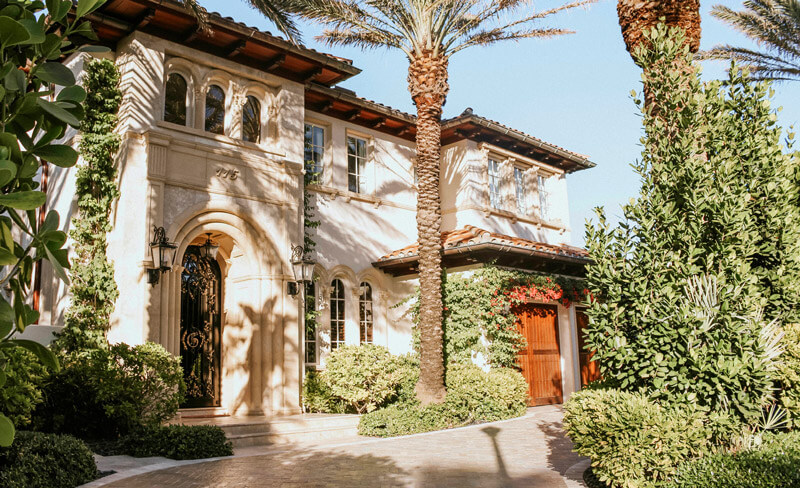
(201, 288)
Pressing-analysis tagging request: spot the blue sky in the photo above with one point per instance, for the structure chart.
(573, 91)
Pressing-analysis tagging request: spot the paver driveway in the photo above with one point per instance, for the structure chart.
(531, 451)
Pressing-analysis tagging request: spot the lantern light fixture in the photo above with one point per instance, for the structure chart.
(209, 250)
(302, 268)
(163, 254)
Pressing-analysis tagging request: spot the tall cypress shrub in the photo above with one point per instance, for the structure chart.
(706, 257)
(93, 288)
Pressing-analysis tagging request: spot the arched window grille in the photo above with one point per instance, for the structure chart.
(337, 307)
(175, 99)
(215, 110)
(251, 120)
(365, 317)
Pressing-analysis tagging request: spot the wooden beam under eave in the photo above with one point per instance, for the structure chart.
(235, 48)
(274, 62)
(323, 107)
(462, 133)
(379, 123)
(144, 19)
(191, 34)
(352, 115)
(309, 75)
(403, 131)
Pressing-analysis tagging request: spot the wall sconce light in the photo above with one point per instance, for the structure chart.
(302, 268)
(209, 250)
(163, 255)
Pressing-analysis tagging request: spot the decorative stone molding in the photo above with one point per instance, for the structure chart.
(157, 161)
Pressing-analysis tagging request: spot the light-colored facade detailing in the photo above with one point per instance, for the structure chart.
(247, 198)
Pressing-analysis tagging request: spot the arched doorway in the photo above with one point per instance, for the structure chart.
(200, 329)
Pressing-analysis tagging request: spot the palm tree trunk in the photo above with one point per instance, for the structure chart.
(638, 16)
(427, 82)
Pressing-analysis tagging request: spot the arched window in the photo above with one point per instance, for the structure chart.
(337, 314)
(365, 312)
(175, 100)
(251, 120)
(215, 110)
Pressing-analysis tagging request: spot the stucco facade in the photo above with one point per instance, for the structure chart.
(249, 197)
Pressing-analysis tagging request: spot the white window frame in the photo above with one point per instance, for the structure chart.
(315, 341)
(520, 192)
(336, 303)
(544, 196)
(494, 179)
(360, 174)
(364, 320)
(318, 165)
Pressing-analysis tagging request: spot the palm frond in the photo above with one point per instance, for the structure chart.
(277, 11)
(775, 26)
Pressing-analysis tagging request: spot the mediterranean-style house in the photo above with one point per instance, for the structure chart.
(216, 127)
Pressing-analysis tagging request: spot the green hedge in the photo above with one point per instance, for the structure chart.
(775, 464)
(788, 374)
(22, 390)
(473, 395)
(177, 442)
(101, 394)
(37, 460)
(633, 442)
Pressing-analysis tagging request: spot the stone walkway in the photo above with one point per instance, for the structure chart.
(530, 451)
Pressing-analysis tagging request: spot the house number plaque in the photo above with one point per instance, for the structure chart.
(230, 174)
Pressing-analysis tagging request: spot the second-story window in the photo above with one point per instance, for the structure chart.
(215, 110)
(519, 190)
(175, 100)
(356, 164)
(251, 120)
(494, 183)
(544, 204)
(337, 314)
(365, 312)
(314, 146)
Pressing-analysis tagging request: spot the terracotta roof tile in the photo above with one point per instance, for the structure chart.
(474, 235)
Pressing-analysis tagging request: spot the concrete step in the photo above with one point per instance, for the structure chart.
(259, 430)
(201, 413)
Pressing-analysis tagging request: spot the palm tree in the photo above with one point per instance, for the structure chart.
(429, 32)
(276, 11)
(638, 16)
(773, 24)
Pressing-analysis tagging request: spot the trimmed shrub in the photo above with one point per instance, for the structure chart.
(789, 372)
(473, 396)
(364, 376)
(21, 392)
(477, 396)
(37, 460)
(178, 442)
(775, 464)
(118, 389)
(633, 442)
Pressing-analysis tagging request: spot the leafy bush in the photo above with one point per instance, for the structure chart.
(364, 376)
(632, 441)
(318, 397)
(789, 372)
(106, 393)
(177, 442)
(473, 395)
(21, 392)
(775, 464)
(37, 460)
(484, 397)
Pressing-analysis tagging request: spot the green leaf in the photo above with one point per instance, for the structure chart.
(55, 72)
(8, 171)
(12, 32)
(44, 354)
(6, 431)
(2, 378)
(34, 30)
(57, 258)
(58, 112)
(23, 200)
(7, 258)
(86, 7)
(74, 93)
(94, 49)
(15, 80)
(58, 8)
(59, 154)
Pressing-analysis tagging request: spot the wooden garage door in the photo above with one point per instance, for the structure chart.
(541, 360)
(589, 369)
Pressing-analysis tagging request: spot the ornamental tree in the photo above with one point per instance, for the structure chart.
(706, 257)
(32, 117)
